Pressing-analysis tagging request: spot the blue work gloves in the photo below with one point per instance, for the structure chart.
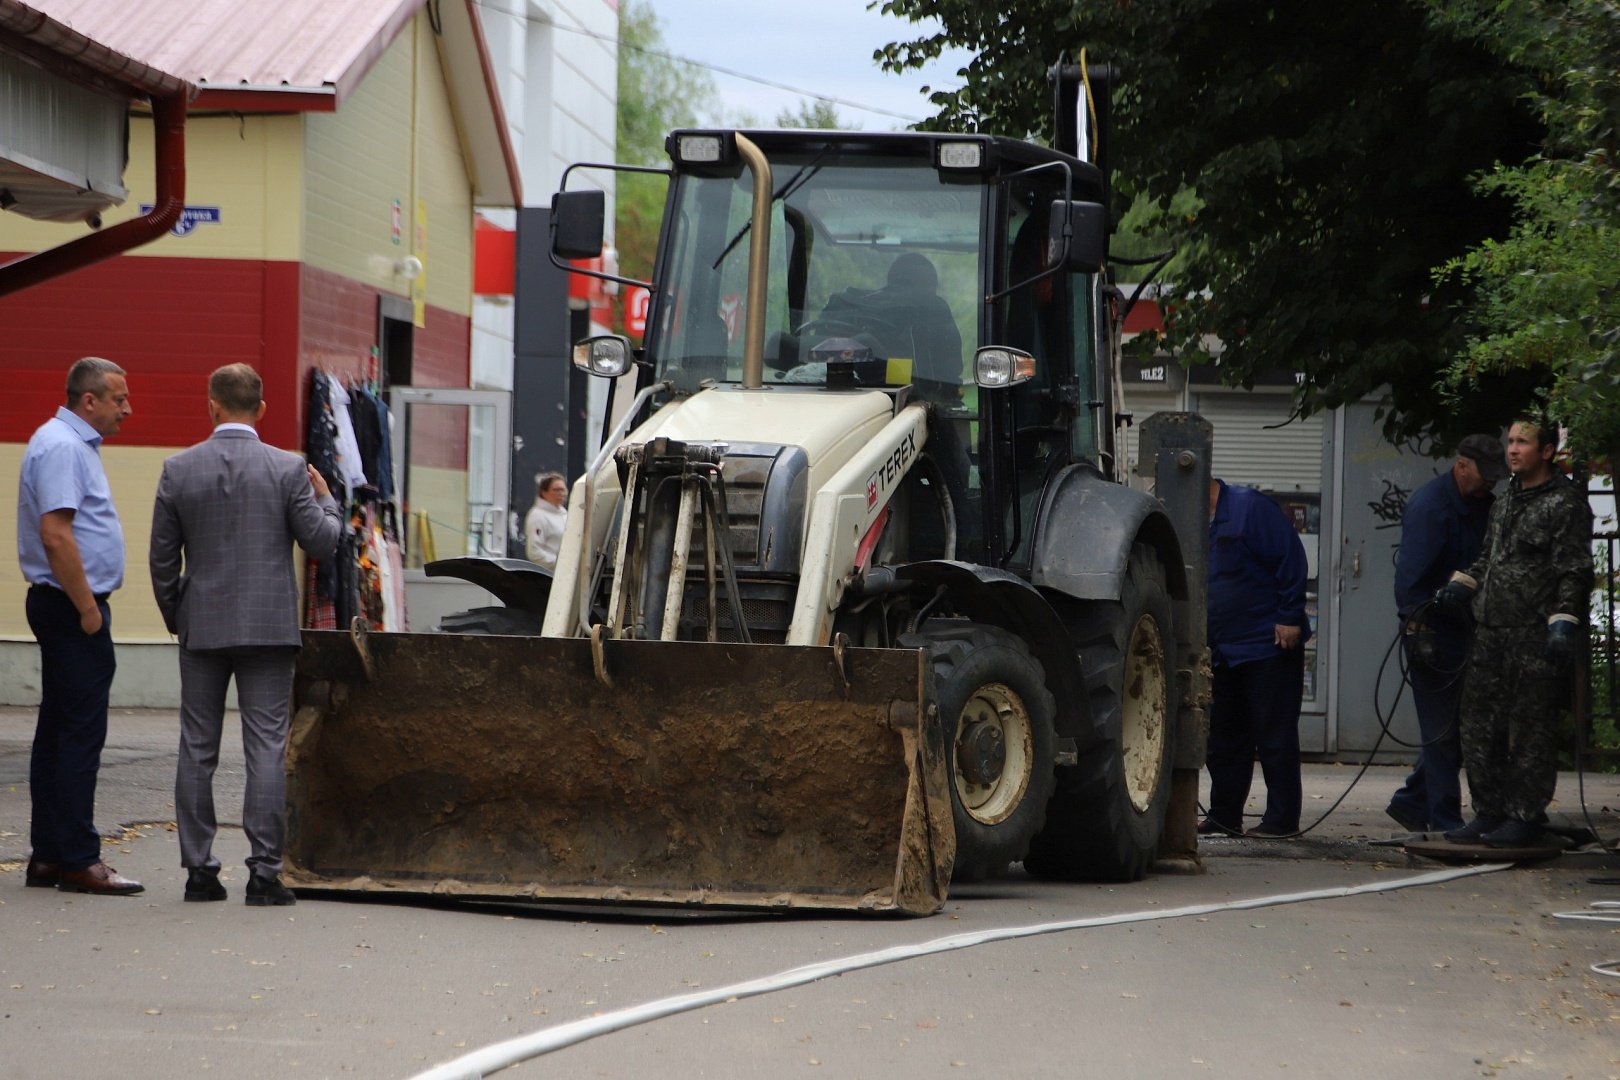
(1563, 642)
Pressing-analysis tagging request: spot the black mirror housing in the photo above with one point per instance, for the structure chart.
(1078, 240)
(578, 223)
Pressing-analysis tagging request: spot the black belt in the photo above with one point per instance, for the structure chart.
(100, 597)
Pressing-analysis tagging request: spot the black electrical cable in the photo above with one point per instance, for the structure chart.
(1365, 765)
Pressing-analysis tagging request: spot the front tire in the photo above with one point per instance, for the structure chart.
(998, 718)
(1107, 815)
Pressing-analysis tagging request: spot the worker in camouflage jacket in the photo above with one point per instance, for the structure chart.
(1528, 595)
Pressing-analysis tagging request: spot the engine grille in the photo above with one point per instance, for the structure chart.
(745, 500)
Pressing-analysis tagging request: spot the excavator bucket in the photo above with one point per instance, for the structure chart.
(557, 769)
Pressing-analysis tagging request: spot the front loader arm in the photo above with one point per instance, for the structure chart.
(842, 512)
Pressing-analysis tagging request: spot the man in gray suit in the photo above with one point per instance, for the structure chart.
(227, 513)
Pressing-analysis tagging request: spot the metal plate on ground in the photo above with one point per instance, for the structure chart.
(1446, 851)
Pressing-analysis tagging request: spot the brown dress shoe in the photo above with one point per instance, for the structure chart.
(41, 875)
(100, 879)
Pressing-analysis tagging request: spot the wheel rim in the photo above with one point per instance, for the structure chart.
(992, 754)
(1144, 697)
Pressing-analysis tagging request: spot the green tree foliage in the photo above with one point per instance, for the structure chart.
(656, 95)
(813, 115)
(1549, 293)
(1331, 147)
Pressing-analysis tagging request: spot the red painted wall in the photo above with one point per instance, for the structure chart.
(169, 322)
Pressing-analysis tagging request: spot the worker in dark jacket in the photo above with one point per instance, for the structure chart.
(1442, 531)
(1528, 591)
(1257, 634)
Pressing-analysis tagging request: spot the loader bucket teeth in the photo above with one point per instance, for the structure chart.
(706, 774)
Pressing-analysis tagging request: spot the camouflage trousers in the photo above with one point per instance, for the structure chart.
(1509, 721)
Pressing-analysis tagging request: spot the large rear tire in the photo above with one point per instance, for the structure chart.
(998, 719)
(1107, 815)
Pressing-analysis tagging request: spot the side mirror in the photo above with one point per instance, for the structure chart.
(578, 223)
(608, 356)
(1078, 240)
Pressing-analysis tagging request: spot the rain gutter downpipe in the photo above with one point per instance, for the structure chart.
(169, 132)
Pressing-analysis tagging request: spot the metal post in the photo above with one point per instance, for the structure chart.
(1175, 451)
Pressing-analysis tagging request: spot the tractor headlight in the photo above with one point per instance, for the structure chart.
(607, 356)
(705, 149)
(998, 365)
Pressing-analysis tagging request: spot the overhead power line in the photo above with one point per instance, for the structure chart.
(716, 68)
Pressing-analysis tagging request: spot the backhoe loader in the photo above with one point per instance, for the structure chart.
(844, 609)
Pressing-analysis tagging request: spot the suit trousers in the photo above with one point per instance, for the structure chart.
(76, 674)
(1254, 713)
(264, 681)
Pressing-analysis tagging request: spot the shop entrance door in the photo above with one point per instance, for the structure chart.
(451, 471)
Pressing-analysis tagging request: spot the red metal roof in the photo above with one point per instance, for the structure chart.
(318, 47)
(140, 74)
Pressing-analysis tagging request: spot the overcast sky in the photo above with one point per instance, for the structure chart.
(821, 46)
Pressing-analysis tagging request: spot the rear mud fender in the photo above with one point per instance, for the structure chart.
(1087, 527)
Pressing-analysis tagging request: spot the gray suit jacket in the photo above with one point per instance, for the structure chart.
(228, 511)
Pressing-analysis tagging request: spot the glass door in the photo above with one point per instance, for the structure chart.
(451, 470)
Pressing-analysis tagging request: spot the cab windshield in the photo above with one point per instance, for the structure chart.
(873, 275)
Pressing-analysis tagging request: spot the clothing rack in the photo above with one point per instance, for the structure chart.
(348, 438)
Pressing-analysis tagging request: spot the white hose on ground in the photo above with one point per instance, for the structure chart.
(482, 1062)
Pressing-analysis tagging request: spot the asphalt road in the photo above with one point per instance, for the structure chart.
(1474, 977)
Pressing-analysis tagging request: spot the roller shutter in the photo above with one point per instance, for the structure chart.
(1250, 451)
(1142, 402)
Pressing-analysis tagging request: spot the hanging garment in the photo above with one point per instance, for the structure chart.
(348, 451)
(385, 456)
(367, 435)
(320, 450)
(319, 612)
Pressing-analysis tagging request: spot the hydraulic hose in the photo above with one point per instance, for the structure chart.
(480, 1063)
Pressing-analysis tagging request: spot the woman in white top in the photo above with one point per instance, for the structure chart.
(543, 527)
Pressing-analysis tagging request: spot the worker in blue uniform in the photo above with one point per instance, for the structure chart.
(1442, 531)
(1257, 634)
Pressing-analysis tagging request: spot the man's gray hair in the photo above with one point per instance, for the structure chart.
(89, 376)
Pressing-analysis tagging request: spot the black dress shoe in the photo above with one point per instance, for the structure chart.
(98, 879)
(202, 884)
(1210, 827)
(1513, 834)
(1474, 830)
(41, 875)
(265, 891)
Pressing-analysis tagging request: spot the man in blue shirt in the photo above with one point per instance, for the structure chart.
(1442, 531)
(1257, 633)
(71, 549)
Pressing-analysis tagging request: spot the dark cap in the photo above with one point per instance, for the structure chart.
(1487, 453)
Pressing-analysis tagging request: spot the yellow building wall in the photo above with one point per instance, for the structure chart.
(394, 141)
(317, 188)
(250, 167)
(133, 473)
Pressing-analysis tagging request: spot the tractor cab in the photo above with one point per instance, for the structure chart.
(956, 270)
